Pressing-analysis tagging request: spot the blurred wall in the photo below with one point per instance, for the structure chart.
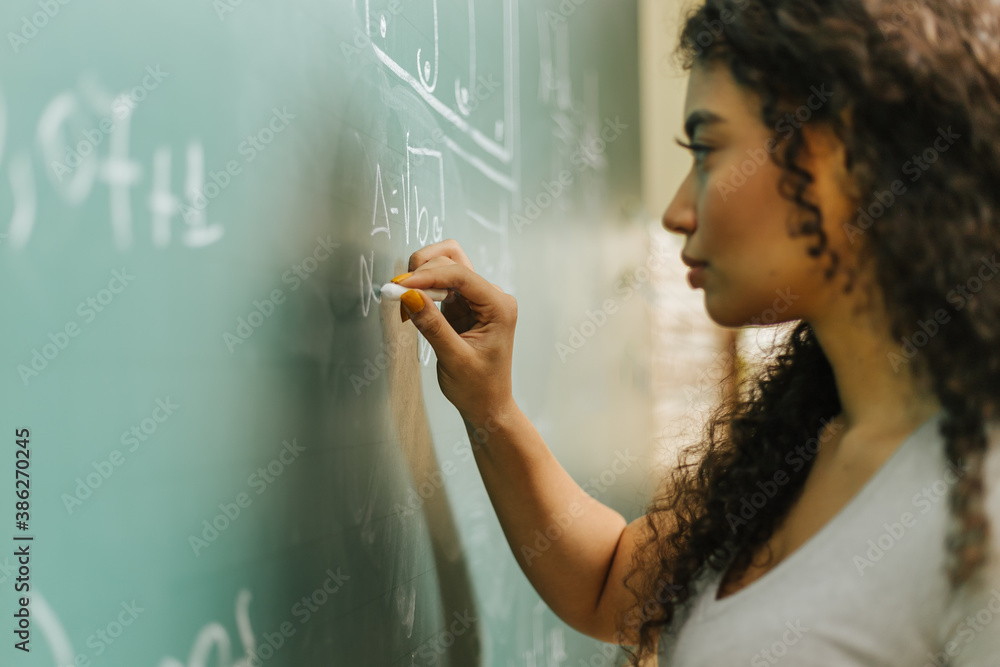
(691, 354)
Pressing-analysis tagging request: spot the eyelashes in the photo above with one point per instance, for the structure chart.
(699, 150)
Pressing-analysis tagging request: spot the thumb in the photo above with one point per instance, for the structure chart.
(432, 324)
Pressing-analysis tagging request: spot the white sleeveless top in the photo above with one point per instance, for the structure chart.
(869, 588)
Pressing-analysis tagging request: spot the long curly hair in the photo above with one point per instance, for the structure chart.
(899, 74)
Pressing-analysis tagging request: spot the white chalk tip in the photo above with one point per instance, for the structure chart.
(395, 292)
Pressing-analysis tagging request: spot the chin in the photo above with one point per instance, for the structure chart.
(722, 315)
(736, 316)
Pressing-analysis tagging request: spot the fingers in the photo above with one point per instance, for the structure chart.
(432, 263)
(446, 261)
(476, 290)
(447, 342)
(448, 248)
(436, 261)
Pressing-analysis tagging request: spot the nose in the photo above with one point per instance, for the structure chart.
(679, 217)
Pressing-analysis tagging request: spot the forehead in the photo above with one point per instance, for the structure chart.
(715, 99)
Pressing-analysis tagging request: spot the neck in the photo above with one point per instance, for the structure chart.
(879, 392)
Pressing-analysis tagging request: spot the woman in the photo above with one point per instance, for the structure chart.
(840, 508)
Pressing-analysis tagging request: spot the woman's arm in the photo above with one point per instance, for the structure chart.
(574, 550)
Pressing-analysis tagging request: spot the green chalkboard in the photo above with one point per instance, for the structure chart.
(236, 454)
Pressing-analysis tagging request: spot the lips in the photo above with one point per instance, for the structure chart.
(696, 276)
(692, 262)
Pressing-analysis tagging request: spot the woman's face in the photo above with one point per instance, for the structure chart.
(756, 272)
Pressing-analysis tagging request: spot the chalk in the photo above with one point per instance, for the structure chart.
(395, 292)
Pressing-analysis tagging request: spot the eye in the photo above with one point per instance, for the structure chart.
(700, 151)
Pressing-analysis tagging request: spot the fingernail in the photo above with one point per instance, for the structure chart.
(402, 276)
(413, 301)
(403, 315)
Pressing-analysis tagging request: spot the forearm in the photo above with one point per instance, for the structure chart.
(563, 539)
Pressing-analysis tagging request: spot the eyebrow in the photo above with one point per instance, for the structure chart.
(701, 117)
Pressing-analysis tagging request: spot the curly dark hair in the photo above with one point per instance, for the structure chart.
(899, 72)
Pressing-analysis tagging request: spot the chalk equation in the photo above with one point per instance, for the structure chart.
(478, 109)
(83, 141)
(417, 204)
(413, 213)
(212, 641)
(468, 90)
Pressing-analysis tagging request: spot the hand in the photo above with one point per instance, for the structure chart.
(472, 334)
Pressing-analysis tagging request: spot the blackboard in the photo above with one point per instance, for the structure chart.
(238, 454)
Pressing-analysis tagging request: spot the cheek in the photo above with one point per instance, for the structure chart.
(745, 218)
(754, 261)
